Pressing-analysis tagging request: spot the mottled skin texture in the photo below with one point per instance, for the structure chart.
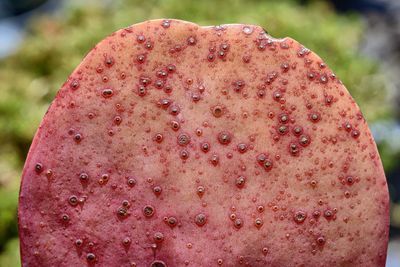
(89, 129)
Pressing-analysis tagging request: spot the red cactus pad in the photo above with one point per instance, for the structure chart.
(173, 144)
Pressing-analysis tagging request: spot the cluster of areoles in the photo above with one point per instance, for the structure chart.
(166, 24)
(90, 256)
(147, 44)
(262, 42)
(264, 161)
(122, 211)
(160, 82)
(221, 53)
(283, 129)
(103, 179)
(355, 133)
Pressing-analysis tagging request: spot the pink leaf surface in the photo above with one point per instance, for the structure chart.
(173, 144)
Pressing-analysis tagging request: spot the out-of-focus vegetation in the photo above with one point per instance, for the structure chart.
(56, 44)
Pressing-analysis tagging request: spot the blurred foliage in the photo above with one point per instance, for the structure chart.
(10, 257)
(389, 157)
(56, 43)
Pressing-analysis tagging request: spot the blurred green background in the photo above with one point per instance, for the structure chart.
(58, 35)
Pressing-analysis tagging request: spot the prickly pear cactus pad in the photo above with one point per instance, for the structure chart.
(173, 144)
